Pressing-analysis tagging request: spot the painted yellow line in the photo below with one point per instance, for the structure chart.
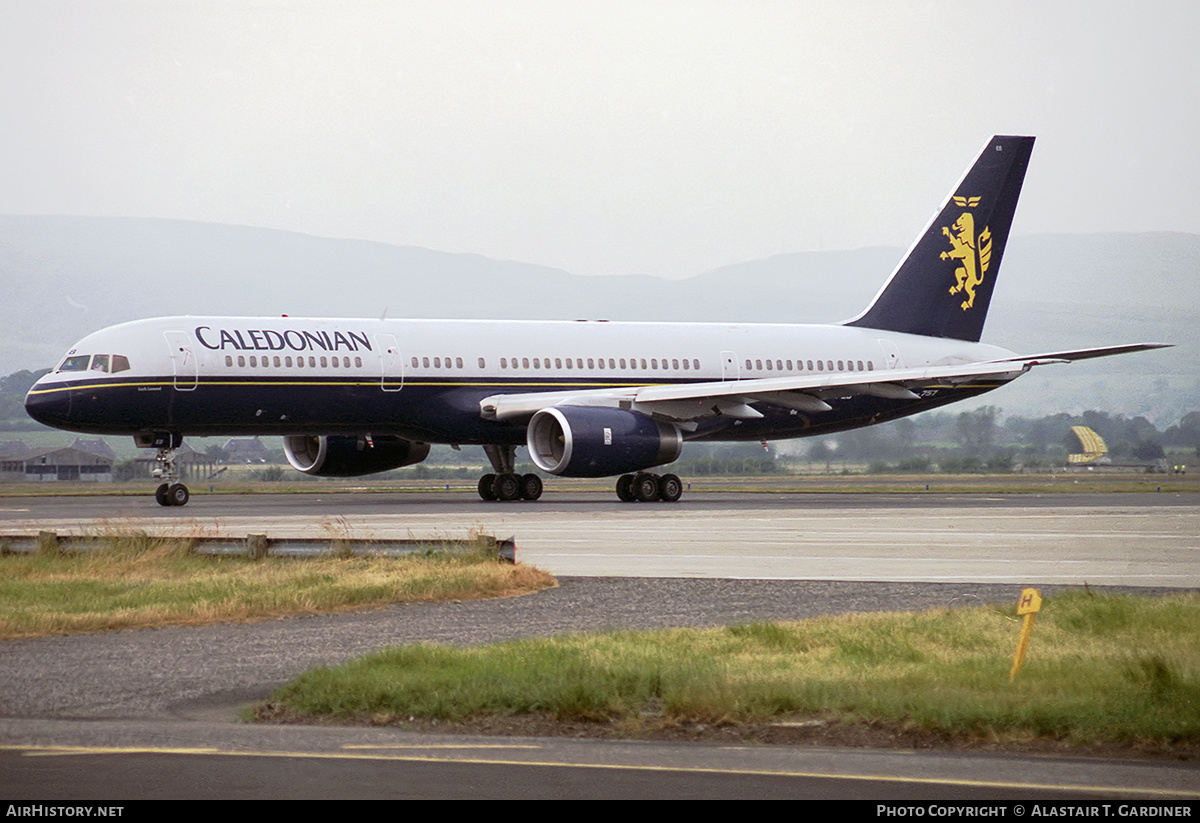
(52, 751)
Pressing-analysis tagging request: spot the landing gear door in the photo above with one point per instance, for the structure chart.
(183, 360)
(390, 362)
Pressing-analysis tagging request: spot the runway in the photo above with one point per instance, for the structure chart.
(149, 713)
(1062, 539)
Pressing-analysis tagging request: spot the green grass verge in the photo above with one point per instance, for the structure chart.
(1101, 670)
(133, 581)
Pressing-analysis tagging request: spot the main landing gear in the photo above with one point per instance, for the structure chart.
(506, 484)
(646, 487)
(171, 492)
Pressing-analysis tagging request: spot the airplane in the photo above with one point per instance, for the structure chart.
(587, 398)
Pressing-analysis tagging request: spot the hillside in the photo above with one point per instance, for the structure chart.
(65, 276)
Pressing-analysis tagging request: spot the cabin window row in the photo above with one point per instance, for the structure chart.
(441, 362)
(285, 362)
(820, 365)
(611, 363)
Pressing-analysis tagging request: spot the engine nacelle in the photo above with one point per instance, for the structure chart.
(350, 455)
(580, 441)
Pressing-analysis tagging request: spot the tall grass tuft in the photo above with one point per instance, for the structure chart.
(1100, 669)
(129, 581)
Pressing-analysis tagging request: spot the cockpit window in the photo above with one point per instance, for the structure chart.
(100, 362)
(76, 362)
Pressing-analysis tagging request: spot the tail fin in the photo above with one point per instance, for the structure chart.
(944, 285)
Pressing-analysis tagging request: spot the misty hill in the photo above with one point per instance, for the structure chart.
(66, 276)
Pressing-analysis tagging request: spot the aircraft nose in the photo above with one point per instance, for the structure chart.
(49, 406)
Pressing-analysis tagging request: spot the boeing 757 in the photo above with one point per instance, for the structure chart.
(587, 399)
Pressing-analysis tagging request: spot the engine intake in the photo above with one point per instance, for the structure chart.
(351, 455)
(578, 441)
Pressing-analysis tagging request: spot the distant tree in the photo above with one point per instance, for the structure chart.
(976, 430)
(1148, 450)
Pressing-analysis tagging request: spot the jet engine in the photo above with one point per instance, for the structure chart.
(579, 441)
(349, 455)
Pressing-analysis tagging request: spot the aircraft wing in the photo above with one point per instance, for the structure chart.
(685, 403)
(1087, 354)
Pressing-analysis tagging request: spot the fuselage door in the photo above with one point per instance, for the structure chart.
(183, 360)
(891, 354)
(390, 362)
(729, 366)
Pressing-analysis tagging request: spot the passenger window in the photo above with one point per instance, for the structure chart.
(229, 360)
(241, 361)
(674, 363)
(591, 363)
(437, 362)
(458, 363)
(287, 361)
(253, 360)
(415, 362)
(333, 362)
(860, 368)
(323, 361)
(275, 360)
(820, 365)
(482, 364)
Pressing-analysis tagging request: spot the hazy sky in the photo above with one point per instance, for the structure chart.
(663, 138)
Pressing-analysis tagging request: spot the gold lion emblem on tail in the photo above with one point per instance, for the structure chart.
(973, 253)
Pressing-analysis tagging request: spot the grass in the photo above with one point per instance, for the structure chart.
(135, 581)
(1101, 670)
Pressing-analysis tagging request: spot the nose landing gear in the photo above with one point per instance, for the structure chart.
(171, 492)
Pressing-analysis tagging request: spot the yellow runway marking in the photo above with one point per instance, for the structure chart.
(44, 751)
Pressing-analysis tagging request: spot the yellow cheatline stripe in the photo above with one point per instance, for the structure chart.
(52, 751)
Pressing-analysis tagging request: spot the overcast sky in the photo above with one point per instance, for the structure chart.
(663, 138)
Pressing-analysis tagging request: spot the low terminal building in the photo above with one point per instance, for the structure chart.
(54, 464)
